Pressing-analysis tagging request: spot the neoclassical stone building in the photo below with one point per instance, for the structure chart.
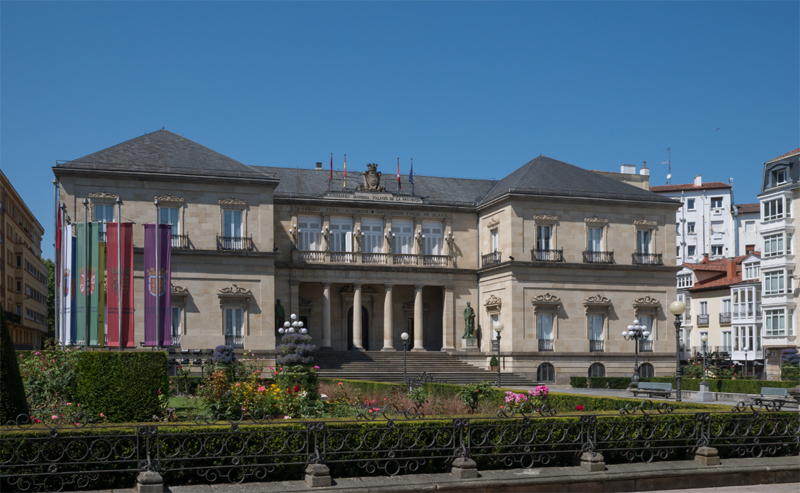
(565, 258)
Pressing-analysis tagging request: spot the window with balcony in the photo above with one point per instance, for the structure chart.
(433, 238)
(495, 240)
(171, 215)
(402, 236)
(176, 326)
(544, 331)
(773, 209)
(309, 233)
(690, 228)
(725, 311)
(596, 324)
(103, 213)
(774, 282)
(595, 240)
(702, 313)
(716, 202)
(234, 327)
(775, 323)
(372, 239)
(341, 234)
(726, 342)
(773, 245)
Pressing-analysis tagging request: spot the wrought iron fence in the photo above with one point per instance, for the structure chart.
(538, 255)
(725, 318)
(647, 259)
(646, 346)
(702, 319)
(598, 257)
(77, 453)
(237, 342)
(176, 340)
(180, 242)
(237, 243)
(491, 259)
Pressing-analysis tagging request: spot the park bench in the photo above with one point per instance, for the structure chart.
(774, 393)
(653, 388)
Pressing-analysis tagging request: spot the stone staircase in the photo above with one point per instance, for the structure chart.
(380, 366)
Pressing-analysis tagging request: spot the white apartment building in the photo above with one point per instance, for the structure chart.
(747, 218)
(778, 198)
(704, 223)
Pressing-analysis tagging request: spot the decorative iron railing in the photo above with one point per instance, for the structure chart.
(491, 259)
(598, 257)
(236, 342)
(596, 346)
(77, 453)
(538, 255)
(646, 346)
(647, 259)
(725, 318)
(237, 243)
(180, 242)
(702, 319)
(545, 344)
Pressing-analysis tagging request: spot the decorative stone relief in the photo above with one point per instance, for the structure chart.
(232, 201)
(372, 180)
(305, 302)
(598, 300)
(235, 290)
(644, 222)
(178, 290)
(544, 217)
(595, 219)
(169, 198)
(103, 195)
(492, 223)
(493, 305)
(646, 301)
(545, 299)
(350, 288)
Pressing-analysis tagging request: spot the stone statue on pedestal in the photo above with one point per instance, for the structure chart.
(469, 322)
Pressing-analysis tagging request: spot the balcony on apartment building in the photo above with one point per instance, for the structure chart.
(647, 259)
(235, 243)
(590, 257)
(538, 255)
(491, 259)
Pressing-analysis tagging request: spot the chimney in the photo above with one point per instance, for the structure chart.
(698, 180)
(705, 258)
(644, 171)
(627, 169)
(319, 166)
(731, 268)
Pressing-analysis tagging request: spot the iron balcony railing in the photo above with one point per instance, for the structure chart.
(235, 243)
(545, 344)
(646, 346)
(702, 319)
(236, 342)
(647, 259)
(491, 259)
(13, 317)
(180, 242)
(725, 318)
(176, 341)
(724, 349)
(598, 257)
(538, 255)
(596, 346)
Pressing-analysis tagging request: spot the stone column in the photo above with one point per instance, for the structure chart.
(448, 325)
(326, 316)
(294, 306)
(419, 337)
(357, 336)
(388, 329)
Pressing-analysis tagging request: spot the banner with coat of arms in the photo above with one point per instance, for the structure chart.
(66, 321)
(86, 280)
(156, 285)
(120, 284)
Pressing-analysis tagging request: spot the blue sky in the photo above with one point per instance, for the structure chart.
(466, 89)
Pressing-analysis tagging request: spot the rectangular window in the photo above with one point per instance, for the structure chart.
(495, 240)
(104, 213)
(716, 202)
(749, 226)
(726, 306)
(690, 204)
(726, 342)
(773, 209)
(643, 241)
(685, 281)
(544, 326)
(234, 322)
(341, 234)
(372, 239)
(309, 233)
(790, 322)
(775, 323)
(702, 308)
(774, 282)
(432, 238)
(717, 228)
(773, 245)
(647, 321)
(751, 271)
(543, 237)
(596, 327)
(690, 228)
(170, 215)
(233, 224)
(779, 177)
(690, 250)
(595, 237)
(176, 324)
(403, 236)
(716, 250)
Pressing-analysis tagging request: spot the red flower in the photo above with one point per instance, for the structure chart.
(296, 389)
(579, 408)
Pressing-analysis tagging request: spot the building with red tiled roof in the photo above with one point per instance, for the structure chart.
(747, 218)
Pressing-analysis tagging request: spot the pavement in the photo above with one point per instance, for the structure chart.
(756, 488)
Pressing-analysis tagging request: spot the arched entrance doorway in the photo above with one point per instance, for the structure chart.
(364, 328)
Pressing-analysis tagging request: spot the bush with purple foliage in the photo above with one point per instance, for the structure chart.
(295, 349)
(223, 355)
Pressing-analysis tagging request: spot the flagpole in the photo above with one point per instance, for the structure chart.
(119, 272)
(158, 294)
(85, 273)
(63, 313)
(57, 263)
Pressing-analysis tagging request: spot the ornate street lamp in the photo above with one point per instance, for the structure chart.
(677, 308)
(404, 337)
(704, 348)
(498, 327)
(295, 326)
(636, 333)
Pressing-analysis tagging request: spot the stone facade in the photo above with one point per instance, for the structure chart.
(411, 262)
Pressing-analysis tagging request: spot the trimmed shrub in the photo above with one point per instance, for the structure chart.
(124, 386)
(728, 386)
(12, 391)
(579, 382)
(295, 349)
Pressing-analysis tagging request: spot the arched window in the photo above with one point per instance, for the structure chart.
(597, 370)
(546, 373)
(646, 370)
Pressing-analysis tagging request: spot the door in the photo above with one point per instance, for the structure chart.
(364, 328)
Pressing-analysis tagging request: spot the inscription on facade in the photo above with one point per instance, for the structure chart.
(372, 197)
(352, 210)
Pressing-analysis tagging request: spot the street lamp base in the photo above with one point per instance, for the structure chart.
(704, 395)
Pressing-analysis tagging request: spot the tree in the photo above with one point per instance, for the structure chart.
(12, 391)
(51, 295)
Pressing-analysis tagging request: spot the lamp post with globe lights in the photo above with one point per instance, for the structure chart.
(677, 308)
(498, 327)
(636, 333)
(404, 337)
(293, 327)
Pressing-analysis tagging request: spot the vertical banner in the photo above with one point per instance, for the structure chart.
(66, 330)
(86, 277)
(120, 274)
(98, 336)
(157, 284)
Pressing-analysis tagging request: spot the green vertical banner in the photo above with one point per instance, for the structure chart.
(101, 297)
(87, 282)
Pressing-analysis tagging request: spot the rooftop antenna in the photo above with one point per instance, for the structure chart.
(668, 162)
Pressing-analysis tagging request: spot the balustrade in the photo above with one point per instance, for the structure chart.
(372, 258)
(491, 259)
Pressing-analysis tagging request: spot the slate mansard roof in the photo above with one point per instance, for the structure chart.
(164, 152)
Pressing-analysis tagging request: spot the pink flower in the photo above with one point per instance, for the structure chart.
(102, 415)
(37, 353)
(69, 403)
(159, 392)
(316, 367)
(384, 399)
(237, 384)
(262, 389)
(54, 417)
(20, 355)
(340, 383)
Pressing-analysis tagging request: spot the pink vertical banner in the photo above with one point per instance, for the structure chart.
(156, 285)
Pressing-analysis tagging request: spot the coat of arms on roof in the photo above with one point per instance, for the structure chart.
(372, 180)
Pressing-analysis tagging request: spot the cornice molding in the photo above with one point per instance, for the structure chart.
(232, 201)
(103, 195)
(169, 198)
(645, 222)
(595, 219)
(544, 217)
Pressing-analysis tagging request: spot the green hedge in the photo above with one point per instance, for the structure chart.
(124, 386)
(12, 391)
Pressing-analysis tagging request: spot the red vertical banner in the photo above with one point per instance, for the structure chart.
(120, 275)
